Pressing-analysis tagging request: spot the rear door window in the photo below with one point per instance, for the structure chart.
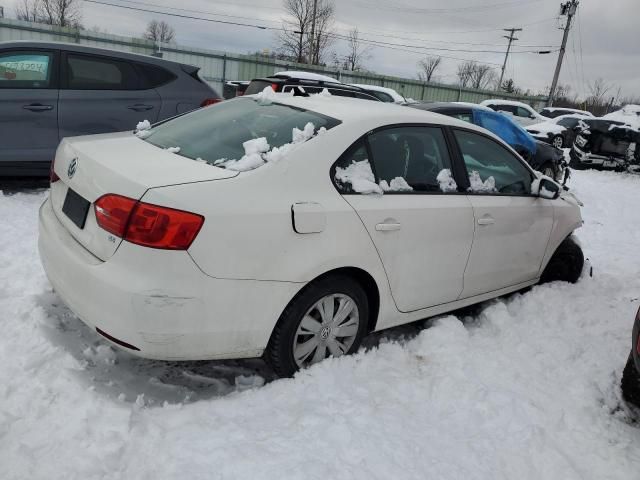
(154, 76)
(22, 69)
(568, 122)
(403, 160)
(523, 112)
(89, 72)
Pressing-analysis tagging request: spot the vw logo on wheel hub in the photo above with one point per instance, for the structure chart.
(324, 333)
(73, 166)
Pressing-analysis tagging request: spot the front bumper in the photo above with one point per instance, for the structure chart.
(159, 301)
(581, 160)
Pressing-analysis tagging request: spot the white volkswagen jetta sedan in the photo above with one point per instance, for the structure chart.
(291, 227)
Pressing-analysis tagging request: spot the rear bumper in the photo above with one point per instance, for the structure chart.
(159, 301)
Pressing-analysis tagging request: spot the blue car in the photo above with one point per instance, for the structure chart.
(541, 156)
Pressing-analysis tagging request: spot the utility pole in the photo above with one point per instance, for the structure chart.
(569, 9)
(511, 38)
(313, 32)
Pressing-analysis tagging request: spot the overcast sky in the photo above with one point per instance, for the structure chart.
(604, 41)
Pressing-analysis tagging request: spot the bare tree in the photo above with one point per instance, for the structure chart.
(482, 76)
(159, 32)
(356, 53)
(428, 66)
(509, 86)
(28, 10)
(63, 13)
(296, 39)
(598, 89)
(464, 72)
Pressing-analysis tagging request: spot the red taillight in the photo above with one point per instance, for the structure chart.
(210, 101)
(274, 87)
(53, 176)
(113, 212)
(147, 225)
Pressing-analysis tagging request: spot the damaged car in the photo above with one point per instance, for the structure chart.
(560, 131)
(606, 144)
(539, 155)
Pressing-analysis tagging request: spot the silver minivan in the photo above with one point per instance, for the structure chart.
(51, 90)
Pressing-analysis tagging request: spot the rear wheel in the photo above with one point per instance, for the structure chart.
(557, 141)
(328, 318)
(565, 264)
(631, 383)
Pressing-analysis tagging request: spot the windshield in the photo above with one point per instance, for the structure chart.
(219, 131)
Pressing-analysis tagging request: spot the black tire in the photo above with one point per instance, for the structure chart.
(630, 383)
(279, 351)
(566, 263)
(555, 139)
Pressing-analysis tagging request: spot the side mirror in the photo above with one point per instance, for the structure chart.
(544, 187)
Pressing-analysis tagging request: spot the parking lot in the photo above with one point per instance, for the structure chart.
(523, 387)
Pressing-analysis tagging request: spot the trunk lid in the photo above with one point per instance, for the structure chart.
(117, 163)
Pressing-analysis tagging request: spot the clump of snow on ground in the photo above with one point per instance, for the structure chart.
(446, 181)
(258, 152)
(479, 186)
(524, 387)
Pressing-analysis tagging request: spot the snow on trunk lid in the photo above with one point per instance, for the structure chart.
(121, 164)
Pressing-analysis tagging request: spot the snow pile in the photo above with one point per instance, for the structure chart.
(360, 176)
(173, 149)
(267, 96)
(143, 129)
(525, 387)
(258, 152)
(629, 115)
(446, 181)
(478, 186)
(397, 184)
(323, 94)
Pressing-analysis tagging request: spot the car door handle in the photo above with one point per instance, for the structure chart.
(486, 221)
(38, 107)
(387, 227)
(140, 107)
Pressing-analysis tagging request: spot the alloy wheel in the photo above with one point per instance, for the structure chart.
(329, 328)
(558, 142)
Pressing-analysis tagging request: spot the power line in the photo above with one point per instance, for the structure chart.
(190, 17)
(468, 8)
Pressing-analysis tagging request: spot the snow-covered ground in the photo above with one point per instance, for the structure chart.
(527, 388)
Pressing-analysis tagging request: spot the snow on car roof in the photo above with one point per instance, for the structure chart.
(307, 76)
(629, 114)
(498, 101)
(575, 110)
(473, 105)
(390, 91)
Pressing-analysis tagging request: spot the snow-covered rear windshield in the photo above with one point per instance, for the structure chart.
(219, 131)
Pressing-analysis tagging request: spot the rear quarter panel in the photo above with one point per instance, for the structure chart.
(248, 231)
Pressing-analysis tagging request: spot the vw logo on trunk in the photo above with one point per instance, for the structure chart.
(73, 166)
